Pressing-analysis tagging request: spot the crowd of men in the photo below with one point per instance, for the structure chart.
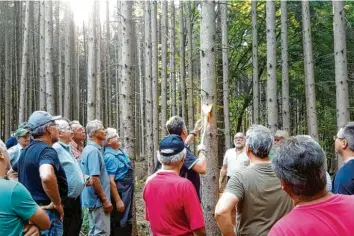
(275, 184)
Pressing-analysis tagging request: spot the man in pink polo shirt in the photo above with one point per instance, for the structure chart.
(300, 165)
(171, 202)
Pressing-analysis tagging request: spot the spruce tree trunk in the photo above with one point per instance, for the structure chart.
(108, 101)
(50, 96)
(341, 70)
(155, 84)
(68, 63)
(182, 62)
(91, 66)
(172, 60)
(190, 67)
(7, 110)
(164, 36)
(225, 70)
(148, 88)
(208, 96)
(59, 69)
(271, 68)
(23, 81)
(255, 91)
(309, 72)
(285, 71)
(98, 65)
(42, 80)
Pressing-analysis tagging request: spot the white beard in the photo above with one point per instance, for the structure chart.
(239, 145)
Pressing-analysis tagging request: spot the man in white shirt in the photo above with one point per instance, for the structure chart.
(23, 140)
(235, 159)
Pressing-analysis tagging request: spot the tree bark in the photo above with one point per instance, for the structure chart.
(42, 80)
(285, 70)
(68, 63)
(190, 67)
(91, 68)
(59, 55)
(182, 62)
(208, 96)
(108, 101)
(98, 64)
(271, 68)
(50, 96)
(225, 70)
(8, 91)
(172, 60)
(255, 63)
(148, 96)
(341, 70)
(155, 84)
(164, 32)
(309, 72)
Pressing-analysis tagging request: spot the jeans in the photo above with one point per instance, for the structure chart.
(56, 225)
(99, 222)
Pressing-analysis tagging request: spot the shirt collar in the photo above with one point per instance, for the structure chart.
(64, 145)
(19, 146)
(111, 150)
(94, 144)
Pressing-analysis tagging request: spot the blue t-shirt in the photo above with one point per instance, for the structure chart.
(117, 163)
(17, 206)
(92, 164)
(38, 153)
(343, 182)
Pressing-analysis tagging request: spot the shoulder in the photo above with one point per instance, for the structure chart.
(12, 150)
(8, 185)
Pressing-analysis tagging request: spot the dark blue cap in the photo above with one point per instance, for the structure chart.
(39, 118)
(171, 145)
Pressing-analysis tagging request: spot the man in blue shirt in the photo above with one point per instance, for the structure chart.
(72, 205)
(96, 197)
(23, 140)
(343, 182)
(17, 207)
(121, 177)
(40, 171)
(12, 141)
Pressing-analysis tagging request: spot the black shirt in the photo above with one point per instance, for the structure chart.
(32, 157)
(187, 171)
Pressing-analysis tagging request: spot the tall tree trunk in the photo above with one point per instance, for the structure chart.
(155, 84)
(148, 96)
(108, 102)
(255, 63)
(76, 88)
(68, 63)
(7, 81)
(309, 72)
(98, 65)
(182, 62)
(209, 96)
(190, 66)
(23, 82)
(50, 97)
(285, 71)
(271, 68)
(225, 70)
(42, 82)
(341, 71)
(59, 61)
(91, 68)
(118, 69)
(164, 36)
(172, 60)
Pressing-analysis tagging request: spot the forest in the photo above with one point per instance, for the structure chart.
(133, 64)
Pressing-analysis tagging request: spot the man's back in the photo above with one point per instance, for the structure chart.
(343, 182)
(16, 206)
(262, 202)
(333, 217)
(172, 205)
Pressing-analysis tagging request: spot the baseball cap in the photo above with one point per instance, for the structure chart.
(23, 125)
(281, 133)
(39, 118)
(171, 145)
(21, 132)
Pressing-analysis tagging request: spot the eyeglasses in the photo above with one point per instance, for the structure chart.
(335, 138)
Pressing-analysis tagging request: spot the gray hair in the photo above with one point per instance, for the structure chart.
(40, 130)
(171, 160)
(175, 125)
(348, 134)
(239, 135)
(93, 126)
(259, 140)
(111, 133)
(300, 163)
(75, 124)
(63, 125)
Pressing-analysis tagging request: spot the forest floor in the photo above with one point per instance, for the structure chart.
(141, 174)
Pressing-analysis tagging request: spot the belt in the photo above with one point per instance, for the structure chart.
(43, 202)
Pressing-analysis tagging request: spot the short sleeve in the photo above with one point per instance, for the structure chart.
(49, 156)
(111, 163)
(235, 186)
(22, 202)
(190, 159)
(93, 163)
(192, 207)
(276, 231)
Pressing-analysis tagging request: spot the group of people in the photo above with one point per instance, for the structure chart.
(275, 184)
(48, 175)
